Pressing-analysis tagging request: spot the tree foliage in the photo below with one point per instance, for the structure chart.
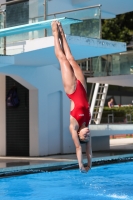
(119, 28)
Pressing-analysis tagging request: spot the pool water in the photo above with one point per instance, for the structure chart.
(108, 182)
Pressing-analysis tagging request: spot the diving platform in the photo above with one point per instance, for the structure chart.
(110, 129)
(36, 26)
(40, 51)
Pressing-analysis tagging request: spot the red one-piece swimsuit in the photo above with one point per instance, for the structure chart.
(81, 111)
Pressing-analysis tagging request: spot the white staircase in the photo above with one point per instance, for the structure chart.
(97, 103)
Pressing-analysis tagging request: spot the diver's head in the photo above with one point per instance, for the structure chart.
(84, 134)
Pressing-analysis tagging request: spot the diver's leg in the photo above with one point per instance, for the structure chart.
(77, 70)
(68, 76)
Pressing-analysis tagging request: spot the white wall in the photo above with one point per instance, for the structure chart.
(2, 116)
(33, 122)
(49, 108)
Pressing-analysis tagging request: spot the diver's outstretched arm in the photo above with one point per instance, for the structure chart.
(78, 149)
(89, 154)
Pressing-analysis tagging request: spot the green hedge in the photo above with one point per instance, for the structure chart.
(119, 113)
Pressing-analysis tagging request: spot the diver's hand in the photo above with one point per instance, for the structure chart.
(83, 170)
(87, 168)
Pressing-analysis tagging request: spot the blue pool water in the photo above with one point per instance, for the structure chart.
(108, 182)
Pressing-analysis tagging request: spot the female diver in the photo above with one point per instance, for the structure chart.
(75, 88)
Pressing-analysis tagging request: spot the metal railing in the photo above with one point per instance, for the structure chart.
(78, 9)
(91, 16)
(108, 65)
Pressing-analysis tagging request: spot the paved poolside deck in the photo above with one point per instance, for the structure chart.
(119, 149)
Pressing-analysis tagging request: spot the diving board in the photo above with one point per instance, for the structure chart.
(36, 26)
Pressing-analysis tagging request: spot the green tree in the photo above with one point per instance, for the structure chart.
(119, 28)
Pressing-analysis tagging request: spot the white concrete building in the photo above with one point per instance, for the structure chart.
(39, 126)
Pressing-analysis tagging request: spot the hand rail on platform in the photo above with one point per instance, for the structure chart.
(84, 8)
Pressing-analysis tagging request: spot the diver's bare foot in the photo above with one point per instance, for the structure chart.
(60, 28)
(54, 28)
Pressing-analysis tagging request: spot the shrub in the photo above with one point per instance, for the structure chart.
(119, 113)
